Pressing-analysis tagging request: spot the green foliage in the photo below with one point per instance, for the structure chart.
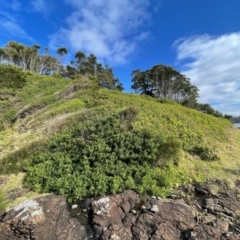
(104, 141)
(57, 75)
(206, 108)
(59, 107)
(9, 115)
(163, 81)
(88, 66)
(205, 153)
(166, 100)
(98, 157)
(39, 88)
(11, 77)
(3, 201)
(13, 163)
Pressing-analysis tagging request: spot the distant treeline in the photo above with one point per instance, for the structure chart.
(30, 59)
(236, 119)
(163, 81)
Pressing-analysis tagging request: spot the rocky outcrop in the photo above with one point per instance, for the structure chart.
(109, 213)
(199, 215)
(42, 218)
(190, 213)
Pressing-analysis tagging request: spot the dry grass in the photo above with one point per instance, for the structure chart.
(9, 183)
(227, 168)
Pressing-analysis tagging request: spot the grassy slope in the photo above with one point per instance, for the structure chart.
(53, 104)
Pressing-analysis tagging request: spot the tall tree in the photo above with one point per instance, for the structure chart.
(3, 55)
(80, 62)
(163, 81)
(106, 79)
(90, 65)
(142, 82)
(22, 56)
(60, 53)
(48, 64)
(34, 58)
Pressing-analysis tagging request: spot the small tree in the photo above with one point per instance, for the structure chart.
(60, 53)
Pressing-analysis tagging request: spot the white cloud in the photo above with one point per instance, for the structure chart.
(109, 29)
(42, 6)
(10, 27)
(213, 65)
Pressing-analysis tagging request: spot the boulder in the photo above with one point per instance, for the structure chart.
(42, 218)
(172, 218)
(124, 217)
(112, 209)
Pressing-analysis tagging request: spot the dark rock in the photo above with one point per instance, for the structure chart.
(201, 190)
(112, 209)
(207, 232)
(117, 232)
(17, 193)
(42, 218)
(129, 220)
(168, 225)
(229, 201)
(124, 217)
(97, 231)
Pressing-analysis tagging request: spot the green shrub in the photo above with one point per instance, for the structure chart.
(205, 153)
(166, 100)
(98, 157)
(9, 115)
(11, 77)
(13, 163)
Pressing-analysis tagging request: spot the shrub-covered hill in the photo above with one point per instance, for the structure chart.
(73, 138)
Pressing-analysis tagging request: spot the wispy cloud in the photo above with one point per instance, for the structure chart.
(10, 27)
(213, 64)
(156, 5)
(42, 6)
(11, 4)
(110, 29)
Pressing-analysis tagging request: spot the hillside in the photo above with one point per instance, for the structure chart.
(79, 140)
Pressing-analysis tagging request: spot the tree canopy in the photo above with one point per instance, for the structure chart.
(163, 81)
(29, 58)
(88, 65)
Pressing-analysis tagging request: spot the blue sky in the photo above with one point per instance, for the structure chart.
(200, 38)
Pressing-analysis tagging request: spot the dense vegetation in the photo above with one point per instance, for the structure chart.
(164, 82)
(30, 59)
(160, 81)
(72, 131)
(100, 156)
(77, 139)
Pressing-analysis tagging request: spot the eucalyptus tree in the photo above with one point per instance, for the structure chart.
(80, 62)
(60, 53)
(48, 64)
(163, 81)
(142, 82)
(34, 58)
(89, 66)
(22, 56)
(106, 79)
(3, 55)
